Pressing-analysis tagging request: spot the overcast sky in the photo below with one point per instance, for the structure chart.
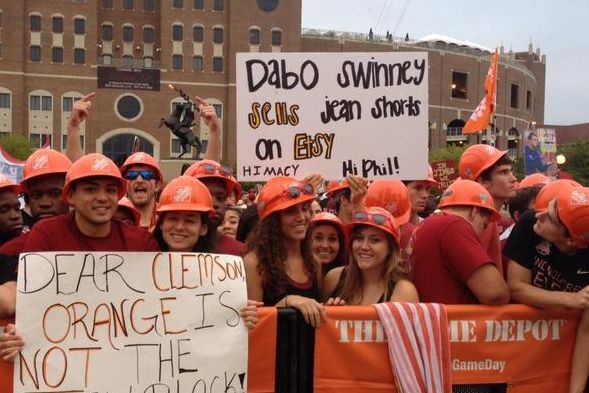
(560, 28)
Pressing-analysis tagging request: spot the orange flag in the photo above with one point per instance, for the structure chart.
(480, 118)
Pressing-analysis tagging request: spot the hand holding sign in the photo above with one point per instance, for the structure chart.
(10, 343)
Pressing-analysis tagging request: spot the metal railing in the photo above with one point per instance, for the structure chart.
(121, 62)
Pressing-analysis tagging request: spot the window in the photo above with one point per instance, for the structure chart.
(528, 100)
(57, 24)
(35, 103)
(79, 56)
(35, 53)
(106, 60)
(148, 62)
(35, 22)
(107, 32)
(46, 103)
(127, 61)
(79, 26)
(178, 4)
(218, 110)
(64, 142)
(67, 103)
(254, 36)
(129, 107)
(176, 148)
(148, 35)
(40, 140)
(5, 100)
(177, 33)
(148, 5)
(514, 96)
(218, 35)
(128, 4)
(57, 54)
(218, 64)
(276, 37)
(177, 62)
(218, 5)
(197, 63)
(127, 33)
(198, 34)
(198, 4)
(459, 84)
(107, 4)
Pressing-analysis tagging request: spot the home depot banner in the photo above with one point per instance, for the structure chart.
(515, 344)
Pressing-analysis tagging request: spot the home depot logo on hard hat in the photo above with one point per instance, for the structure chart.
(579, 198)
(183, 194)
(392, 207)
(138, 157)
(99, 164)
(40, 162)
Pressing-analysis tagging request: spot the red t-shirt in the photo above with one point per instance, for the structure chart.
(444, 252)
(230, 246)
(491, 243)
(62, 234)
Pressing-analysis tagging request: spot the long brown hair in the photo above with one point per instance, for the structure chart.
(351, 288)
(267, 241)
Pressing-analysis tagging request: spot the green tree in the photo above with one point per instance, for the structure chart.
(17, 146)
(447, 153)
(577, 160)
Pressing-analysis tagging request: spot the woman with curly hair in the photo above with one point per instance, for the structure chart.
(280, 269)
(373, 274)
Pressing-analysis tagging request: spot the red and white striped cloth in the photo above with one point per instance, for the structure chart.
(419, 346)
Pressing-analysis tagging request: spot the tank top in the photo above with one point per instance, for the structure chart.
(309, 289)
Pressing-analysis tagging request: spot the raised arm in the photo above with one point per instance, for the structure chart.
(80, 112)
(209, 115)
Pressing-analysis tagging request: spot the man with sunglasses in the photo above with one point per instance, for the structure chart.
(144, 181)
(548, 266)
(449, 263)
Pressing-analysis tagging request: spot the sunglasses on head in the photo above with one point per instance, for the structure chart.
(220, 169)
(296, 190)
(363, 216)
(146, 174)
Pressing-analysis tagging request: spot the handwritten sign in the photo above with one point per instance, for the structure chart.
(131, 322)
(444, 173)
(337, 114)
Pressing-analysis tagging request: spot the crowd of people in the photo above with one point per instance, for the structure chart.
(359, 242)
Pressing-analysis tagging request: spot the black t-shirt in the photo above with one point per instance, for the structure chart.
(551, 269)
(8, 265)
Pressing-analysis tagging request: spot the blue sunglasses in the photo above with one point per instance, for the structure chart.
(146, 174)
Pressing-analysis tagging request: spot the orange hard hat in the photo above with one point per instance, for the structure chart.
(212, 169)
(282, 192)
(185, 193)
(376, 217)
(141, 158)
(44, 162)
(393, 196)
(6, 183)
(573, 211)
(334, 186)
(91, 166)
(551, 190)
(468, 193)
(328, 218)
(535, 179)
(476, 159)
(125, 203)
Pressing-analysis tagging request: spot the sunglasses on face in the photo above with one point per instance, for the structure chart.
(363, 216)
(145, 174)
(221, 170)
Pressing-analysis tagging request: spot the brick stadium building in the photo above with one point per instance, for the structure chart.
(128, 51)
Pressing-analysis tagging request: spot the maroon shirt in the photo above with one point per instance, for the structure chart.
(445, 251)
(230, 246)
(62, 234)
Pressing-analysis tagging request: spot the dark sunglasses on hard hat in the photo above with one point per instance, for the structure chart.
(295, 191)
(364, 216)
(146, 174)
(220, 169)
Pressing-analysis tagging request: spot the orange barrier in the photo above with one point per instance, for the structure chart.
(525, 348)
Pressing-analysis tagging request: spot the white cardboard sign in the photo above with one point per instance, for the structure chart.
(131, 322)
(336, 114)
